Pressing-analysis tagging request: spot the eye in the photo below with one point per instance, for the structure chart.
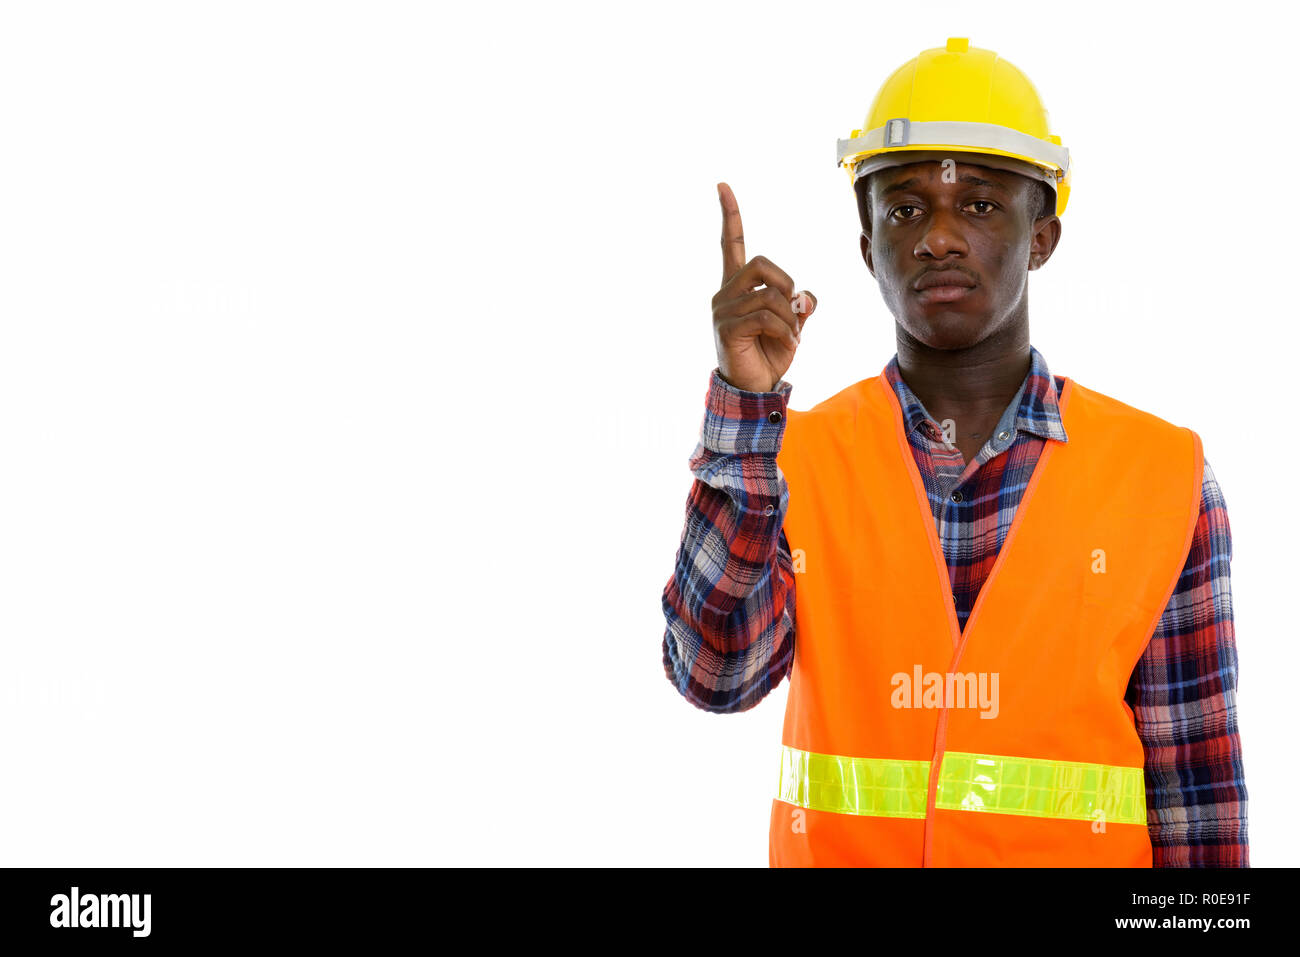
(983, 202)
(897, 209)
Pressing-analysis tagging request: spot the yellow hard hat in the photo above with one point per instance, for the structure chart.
(959, 98)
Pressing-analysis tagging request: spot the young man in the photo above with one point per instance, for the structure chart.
(1015, 641)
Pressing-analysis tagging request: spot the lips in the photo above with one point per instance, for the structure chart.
(943, 285)
(943, 277)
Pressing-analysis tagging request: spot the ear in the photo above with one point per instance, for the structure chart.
(865, 243)
(1047, 233)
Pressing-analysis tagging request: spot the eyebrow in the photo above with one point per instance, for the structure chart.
(970, 178)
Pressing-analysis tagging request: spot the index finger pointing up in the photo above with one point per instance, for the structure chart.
(733, 236)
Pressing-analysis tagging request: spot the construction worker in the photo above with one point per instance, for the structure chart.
(1014, 622)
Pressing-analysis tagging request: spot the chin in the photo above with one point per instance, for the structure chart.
(947, 331)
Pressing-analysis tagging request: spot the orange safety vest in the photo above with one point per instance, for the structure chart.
(875, 774)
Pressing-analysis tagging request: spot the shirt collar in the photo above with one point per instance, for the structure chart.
(1035, 408)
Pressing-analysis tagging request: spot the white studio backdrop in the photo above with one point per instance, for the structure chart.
(353, 354)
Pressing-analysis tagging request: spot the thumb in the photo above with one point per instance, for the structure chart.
(803, 304)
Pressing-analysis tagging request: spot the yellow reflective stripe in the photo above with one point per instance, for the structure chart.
(875, 786)
(1034, 787)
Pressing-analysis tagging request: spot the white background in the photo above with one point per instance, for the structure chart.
(353, 354)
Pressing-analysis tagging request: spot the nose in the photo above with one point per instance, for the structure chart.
(941, 237)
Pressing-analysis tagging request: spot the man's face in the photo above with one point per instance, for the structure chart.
(962, 224)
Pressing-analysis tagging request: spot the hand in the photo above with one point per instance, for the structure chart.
(756, 330)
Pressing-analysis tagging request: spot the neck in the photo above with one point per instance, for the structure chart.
(981, 379)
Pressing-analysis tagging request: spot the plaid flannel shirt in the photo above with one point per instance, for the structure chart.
(730, 603)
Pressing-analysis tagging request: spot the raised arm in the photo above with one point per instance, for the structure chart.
(729, 605)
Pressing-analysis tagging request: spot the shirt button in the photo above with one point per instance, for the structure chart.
(774, 417)
(1003, 435)
(769, 510)
(956, 496)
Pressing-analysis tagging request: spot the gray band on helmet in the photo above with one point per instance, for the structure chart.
(903, 132)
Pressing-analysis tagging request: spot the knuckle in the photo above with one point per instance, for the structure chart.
(778, 300)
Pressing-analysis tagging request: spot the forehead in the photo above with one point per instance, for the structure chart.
(913, 175)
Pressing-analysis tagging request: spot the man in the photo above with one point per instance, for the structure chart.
(1015, 640)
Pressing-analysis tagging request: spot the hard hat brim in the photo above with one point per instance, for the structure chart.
(900, 134)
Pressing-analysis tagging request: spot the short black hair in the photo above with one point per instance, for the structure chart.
(1046, 206)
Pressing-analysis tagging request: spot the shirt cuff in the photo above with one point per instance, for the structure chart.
(740, 422)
